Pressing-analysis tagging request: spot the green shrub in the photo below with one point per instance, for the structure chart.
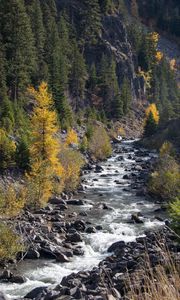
(71, 161)
(7, 150)
(99, 143)
(10, 243)
(175, 213)
(165, 180)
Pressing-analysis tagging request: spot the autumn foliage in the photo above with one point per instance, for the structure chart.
(71, 138)
(153, 109)
(45, 166)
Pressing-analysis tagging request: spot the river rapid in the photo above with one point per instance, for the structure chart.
(110, 188)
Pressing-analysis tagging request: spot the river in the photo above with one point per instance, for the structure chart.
(107, 187)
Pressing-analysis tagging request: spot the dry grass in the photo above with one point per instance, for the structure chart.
(155, 283)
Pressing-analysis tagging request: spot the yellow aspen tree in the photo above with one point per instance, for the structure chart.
(45, 145)
(159, 56)
(71, 138)
(155, 113)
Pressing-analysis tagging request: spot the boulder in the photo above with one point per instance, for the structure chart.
(74, 237)
(57, 201)
(116, 245)
(60, 257)
(18, 279)
(75, 202)
(79, 225)
(137, 219)
(36, 293)
(91, 229)
(32, 254)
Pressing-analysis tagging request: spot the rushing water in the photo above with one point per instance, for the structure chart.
(100, 187)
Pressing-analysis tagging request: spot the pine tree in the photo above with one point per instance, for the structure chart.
(150, 126)
(91, 22)
(3, 87)
(92, 82)
(78, 74)
(36, 16)
(109, 83)
(7, 120)
(22, 155)
(18, 38)
(105, 5)
(126, 96)
(118, 107)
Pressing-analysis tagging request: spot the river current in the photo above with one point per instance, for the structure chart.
(100, 188)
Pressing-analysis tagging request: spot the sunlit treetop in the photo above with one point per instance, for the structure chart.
(153, 109)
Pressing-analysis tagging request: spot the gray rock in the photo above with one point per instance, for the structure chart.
(116, 245)
(18, 279)
(91, 230)
(60, 257)
(36, 293)
(75, 202)
(74, 237)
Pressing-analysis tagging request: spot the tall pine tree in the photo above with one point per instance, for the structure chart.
(18, 39)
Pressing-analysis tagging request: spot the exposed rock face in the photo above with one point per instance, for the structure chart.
(113, 41)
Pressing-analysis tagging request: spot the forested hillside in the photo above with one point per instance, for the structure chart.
(93, 54)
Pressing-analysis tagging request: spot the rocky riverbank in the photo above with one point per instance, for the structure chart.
(109, 279)
(57, 231)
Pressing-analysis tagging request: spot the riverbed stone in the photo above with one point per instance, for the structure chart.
(18, 279)
(36, 293)
(60, 257)
(91, 229)
(74, 237)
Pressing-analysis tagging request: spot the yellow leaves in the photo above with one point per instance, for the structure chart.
(42, 96)
(152, 109)
(146, 76)
(71, 138)
(153, 37)
(11, 200)
(39, 184)
(159, 56)
(45, 146)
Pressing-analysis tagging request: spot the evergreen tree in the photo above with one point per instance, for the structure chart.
(22, 154)
(92, 82)
(41, 71)
(78, 74)
(126, 96)
(118, 107)
(105, 5)
(150, 126)
(18, 38)
(3, 87)
(109, 83)
(91, 21)
(7, 120)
